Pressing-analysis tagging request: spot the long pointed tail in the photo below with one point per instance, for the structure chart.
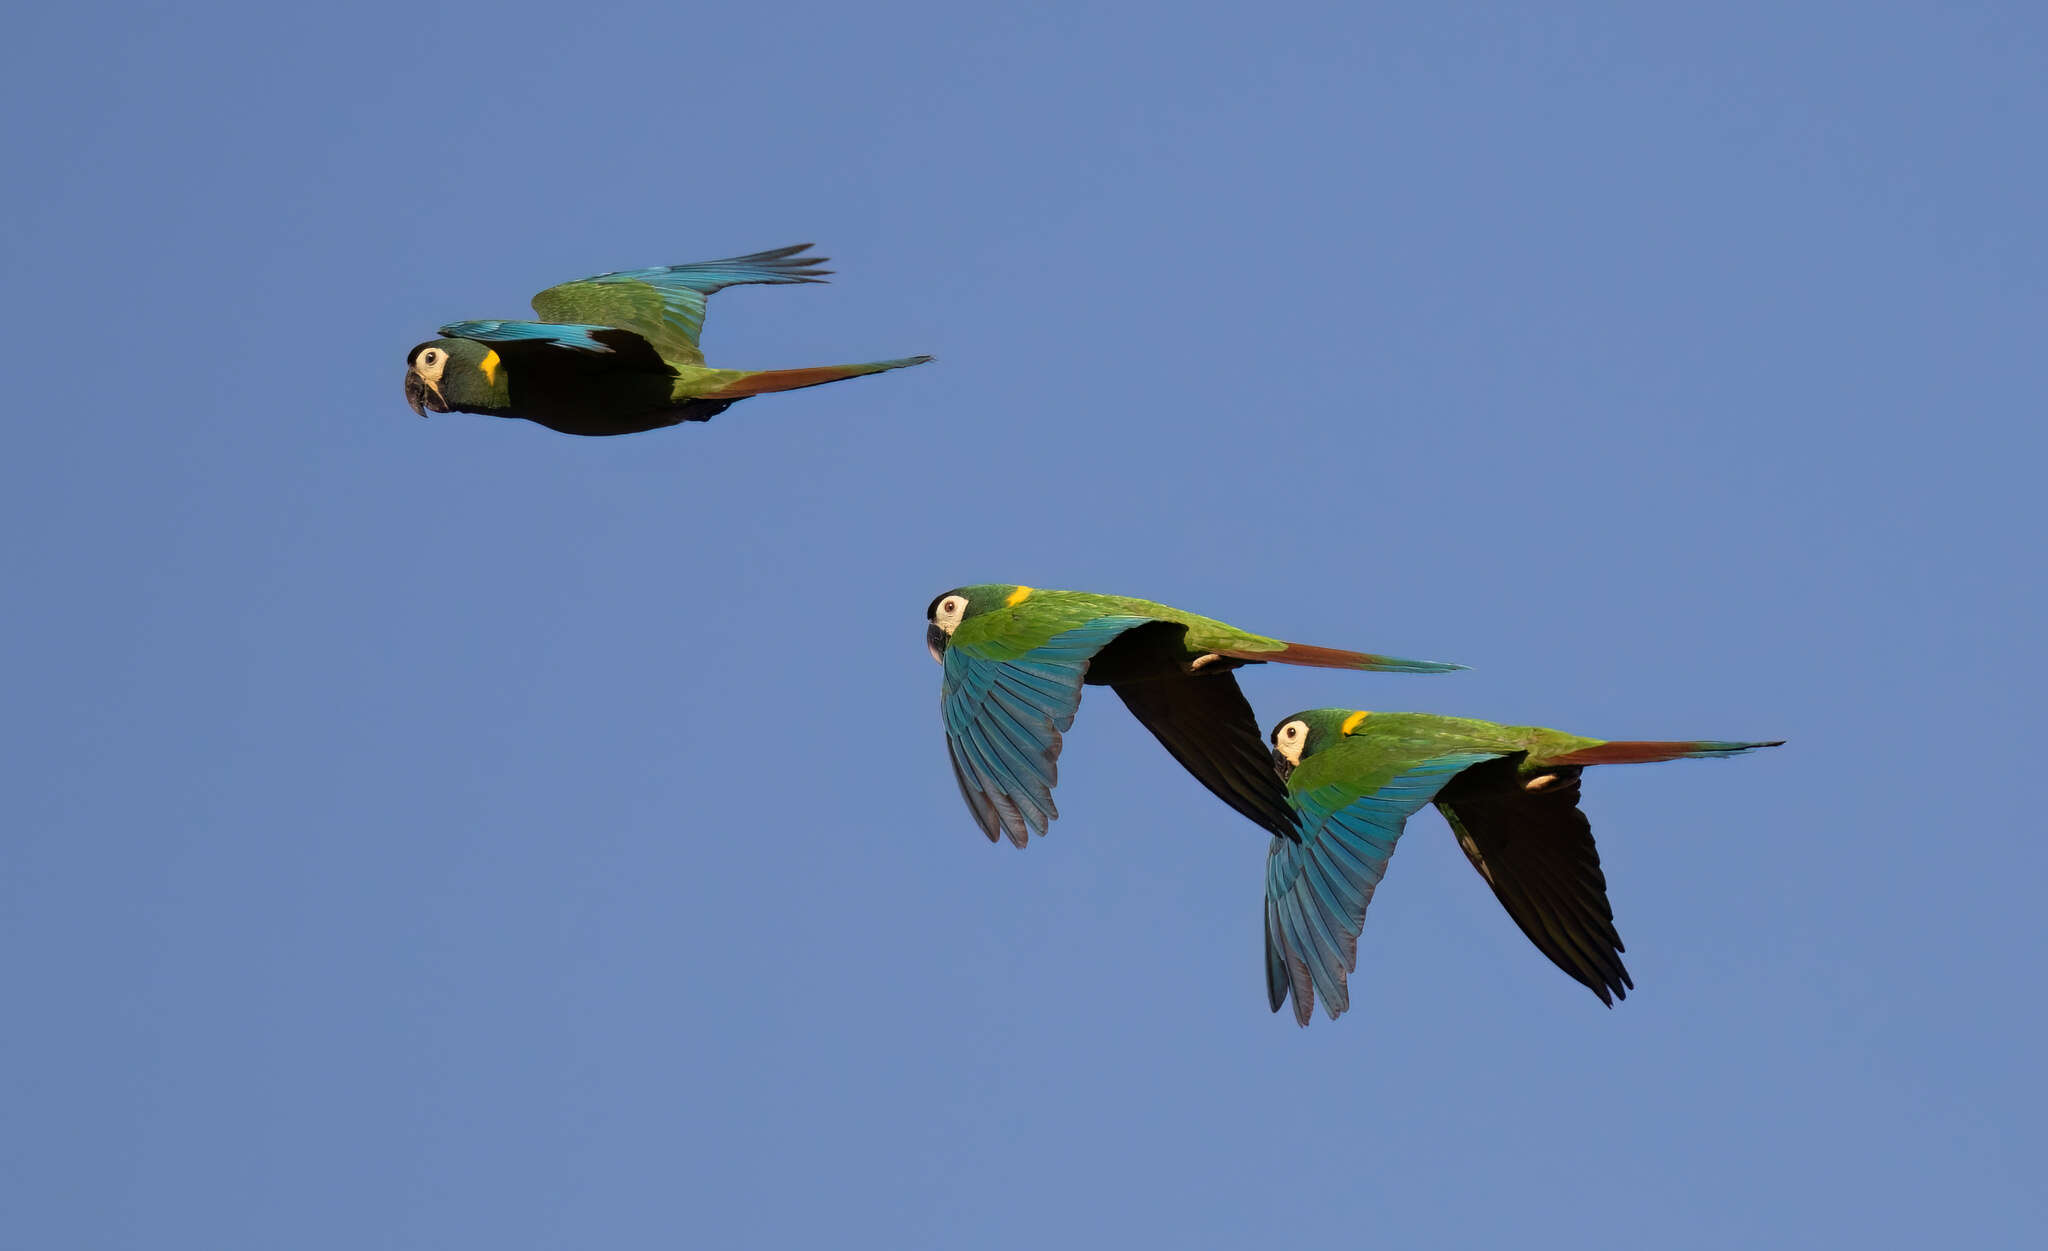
(1336, 658)
(763, 381)
(1646, 752)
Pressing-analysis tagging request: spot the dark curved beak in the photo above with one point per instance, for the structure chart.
(1282, 765)
(421, 394)
(935, 642)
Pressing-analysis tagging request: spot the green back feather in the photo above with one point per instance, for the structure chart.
(1002, 629)
(1384, 745)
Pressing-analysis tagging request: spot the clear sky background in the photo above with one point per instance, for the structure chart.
(455, 834)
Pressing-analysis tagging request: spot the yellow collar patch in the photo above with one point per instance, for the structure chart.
(1351, 722)
(1017, 597)
(489, 364)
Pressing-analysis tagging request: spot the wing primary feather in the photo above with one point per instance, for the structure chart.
(1004, 719)
(1276, 961)
(977, 803)
(1007, 797)
(1304, 986)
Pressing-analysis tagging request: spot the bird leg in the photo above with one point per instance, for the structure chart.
(1553, 779)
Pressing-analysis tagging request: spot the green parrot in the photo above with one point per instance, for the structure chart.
(1016, 658)
(615, 354)
(1511, 795)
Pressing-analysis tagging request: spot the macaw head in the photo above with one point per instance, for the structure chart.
(431, 362)
(1306, 733)
(955, 606)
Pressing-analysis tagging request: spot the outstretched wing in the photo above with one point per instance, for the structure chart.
(1200, 718)
(1004, 719)
(1317, 890)
(564, 343)
(1535, 849)
(665, 304)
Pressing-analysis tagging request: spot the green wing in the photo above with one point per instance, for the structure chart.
(665, 305)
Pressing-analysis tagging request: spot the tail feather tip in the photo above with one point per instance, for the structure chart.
(1716, 747)
(1394, 664)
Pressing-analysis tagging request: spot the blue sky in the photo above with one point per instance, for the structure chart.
(451, 833)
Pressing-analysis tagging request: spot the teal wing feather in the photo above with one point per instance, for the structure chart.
(1004, 719)
(570, 336)
(665, 304)
(1317, 890)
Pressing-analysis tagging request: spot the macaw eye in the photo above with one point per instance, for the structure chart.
(430, 357)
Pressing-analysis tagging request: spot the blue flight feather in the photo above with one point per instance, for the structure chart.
(573, 335)
(711, 277)
(1004, 719)
(1317, 890)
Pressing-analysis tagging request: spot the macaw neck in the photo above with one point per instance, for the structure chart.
(483, 386)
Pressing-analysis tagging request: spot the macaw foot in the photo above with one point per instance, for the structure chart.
(1550, 781)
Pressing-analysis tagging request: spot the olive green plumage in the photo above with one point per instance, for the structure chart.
(1510, 794)
(614, 354)
(1004, 627)
(1016, 659)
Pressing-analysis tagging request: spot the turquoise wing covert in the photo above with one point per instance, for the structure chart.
(665, 304)
(1317, 890)
(1004, 719)
(573, 336)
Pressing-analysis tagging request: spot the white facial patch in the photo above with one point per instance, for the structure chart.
(1289, 739)
(949, 612)
(429, 364)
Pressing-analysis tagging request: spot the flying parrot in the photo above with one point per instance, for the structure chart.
(1016, 659)
(614, 354)
(1510, 794)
